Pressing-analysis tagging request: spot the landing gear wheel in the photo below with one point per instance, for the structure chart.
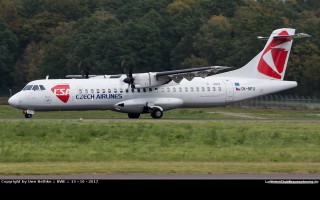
(27, 115)
(134, 115)
(156, 114)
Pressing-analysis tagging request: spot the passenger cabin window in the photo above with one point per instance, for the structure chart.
(186, 89)
(197, 89)
(92, 91)
(80, 91)
(219, 88)
(150, 89)
(180, 89)
(98, 91)
(191, 89)
(144, 90)
(115, 90)
(174, 89)
(127, 90)
(27, 87)
(35, 87)
(138, 90)
(168, 89)
(202, 88)
(208, 88)
(42, 87)
(109, 90)
(214, 88)
(86, 91)
(132, 90)
(103, 90)
(121, 90)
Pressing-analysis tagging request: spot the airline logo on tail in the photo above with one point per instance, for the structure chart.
(62, 92)
(274, 57)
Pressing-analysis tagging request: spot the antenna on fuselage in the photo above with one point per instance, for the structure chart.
(47, 77)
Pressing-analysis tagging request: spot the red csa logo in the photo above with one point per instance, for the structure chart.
(62, 92)
(273, 58)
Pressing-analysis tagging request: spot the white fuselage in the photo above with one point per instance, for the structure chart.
(114, 94)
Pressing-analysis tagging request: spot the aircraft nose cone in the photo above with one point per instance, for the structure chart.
(14, 101)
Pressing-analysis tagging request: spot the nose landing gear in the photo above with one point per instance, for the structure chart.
(28, 113)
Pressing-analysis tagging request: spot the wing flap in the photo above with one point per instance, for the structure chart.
(189, 74)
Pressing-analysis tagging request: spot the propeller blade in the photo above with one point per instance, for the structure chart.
(130, 73)
(129, 80)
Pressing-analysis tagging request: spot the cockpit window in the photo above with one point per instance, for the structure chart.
(27, 87)
(35, 87)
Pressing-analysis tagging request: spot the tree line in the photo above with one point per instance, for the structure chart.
(60, 37)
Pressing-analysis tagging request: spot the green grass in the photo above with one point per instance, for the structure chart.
(156, 146)
(76, 141)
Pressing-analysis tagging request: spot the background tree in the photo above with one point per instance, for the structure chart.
(8, 49)
(212, 43)
(56, 38)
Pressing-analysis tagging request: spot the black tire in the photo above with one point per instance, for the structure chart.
(156, 114)
(27, 115)
(133, 115)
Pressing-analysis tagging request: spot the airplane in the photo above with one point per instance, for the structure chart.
(156, 92)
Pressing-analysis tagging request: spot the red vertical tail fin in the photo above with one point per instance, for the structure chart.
(272, 61)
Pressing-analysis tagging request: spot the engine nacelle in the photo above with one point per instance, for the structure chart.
(144, 80)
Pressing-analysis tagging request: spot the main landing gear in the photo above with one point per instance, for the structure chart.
(156, 113)
(133, 115)
(27, 115)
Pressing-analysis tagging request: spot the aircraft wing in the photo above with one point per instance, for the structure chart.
(189, 74)
(80, 76)
(153, 79)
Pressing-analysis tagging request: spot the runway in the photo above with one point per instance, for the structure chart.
(164, 119)
(167, 177)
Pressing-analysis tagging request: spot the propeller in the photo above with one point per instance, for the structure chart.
(129, 80)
